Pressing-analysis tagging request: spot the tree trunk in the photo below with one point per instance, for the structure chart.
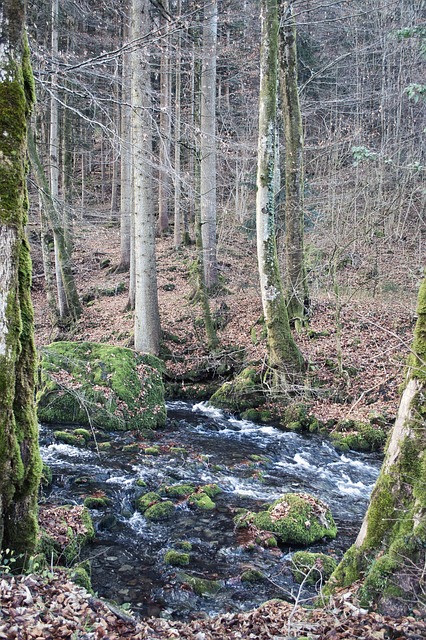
(296, 285)
(178, 221)
(284, 356)
(165, 132)
(20, 463)
(54, 161)
(62, 253)
(389, 554)
(208, 144)
(147, 318)
(125, 164)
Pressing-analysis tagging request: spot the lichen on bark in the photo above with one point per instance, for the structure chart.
(20, 464)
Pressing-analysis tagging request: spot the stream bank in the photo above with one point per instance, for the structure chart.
(252, 464)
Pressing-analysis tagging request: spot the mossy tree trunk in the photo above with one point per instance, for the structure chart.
(20, 463)
(295, 273)
(284, 357)
(389, 554)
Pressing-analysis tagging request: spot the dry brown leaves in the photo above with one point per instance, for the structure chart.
(62, 523)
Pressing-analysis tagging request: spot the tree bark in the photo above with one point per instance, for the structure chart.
(147, 318)
(284, 356)
(125, 164)
(389, 554)
(165, 133)
(208, 144)
(295, 271)
(20, 463)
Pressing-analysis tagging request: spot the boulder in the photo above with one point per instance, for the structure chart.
(102, 386)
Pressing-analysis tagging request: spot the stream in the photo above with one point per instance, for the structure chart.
(252, 464)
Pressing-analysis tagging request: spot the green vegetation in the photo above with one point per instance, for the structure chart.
(147, 500)
(112, 388)
(160, 511)
(244, 392)
(252, 575)
(201, 501)
(201, 586)
(176, 558)
(179, 490)
(96, 502)
(316, 566)
(295, 518)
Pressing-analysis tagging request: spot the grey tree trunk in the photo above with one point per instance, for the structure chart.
(20, 463)
(208, 144)
(389, 554)
(165, 134)
(54, 161)
(284, 357)
(178, 218)
(126, 193)
(295, 272)
(147, 318)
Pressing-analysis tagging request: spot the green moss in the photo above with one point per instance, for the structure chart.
(112, 388)
(160, 511)
(147, 500)
(140, 482)
(316, 566)
(179, 490)
(69, 438)
(359, 436)
(130, 448)
(252, 575)
(201, 501)
(176, 558)
(377, 580)
(178, 451)
(152, 451)
(83, 433)
(201, 586)
(185, 545)
(244, 392)
(295, 518)
(46, 475)
(94, 502)
(81, 576)
(211, 490)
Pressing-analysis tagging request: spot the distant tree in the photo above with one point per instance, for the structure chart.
(147, 318)
(389, 554)
(208, 143)
(20, 463)
(284, 357)
(295, 270)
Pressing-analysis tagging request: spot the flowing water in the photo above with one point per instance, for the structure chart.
(252, 464)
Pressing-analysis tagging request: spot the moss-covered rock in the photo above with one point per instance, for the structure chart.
(81, 576)
(252, 575)
(242, 393)
(315, 567)
(147, 500)
(160, 511)
(296, 417)
(179, 490)
(201, 501)
(96, 502)
(211, 489)
(112, 388)
(295, 518)
(176, 558)
(359, 436)
(68, 437)
(201, 586)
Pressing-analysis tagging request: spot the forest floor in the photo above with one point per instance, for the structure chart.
(356, 342)
(365, 329)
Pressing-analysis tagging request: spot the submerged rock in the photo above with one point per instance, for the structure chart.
(112, 388)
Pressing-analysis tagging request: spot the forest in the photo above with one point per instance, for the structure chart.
(212, 319)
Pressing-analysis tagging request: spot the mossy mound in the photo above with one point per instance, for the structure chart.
(296, 417)
(315, 567)
(112, 388)
(359, 436)
(160, 511)
(201, 586)
(242, 393)
(295, 518)
(176, 558)
(201, 501)
(179, 490)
